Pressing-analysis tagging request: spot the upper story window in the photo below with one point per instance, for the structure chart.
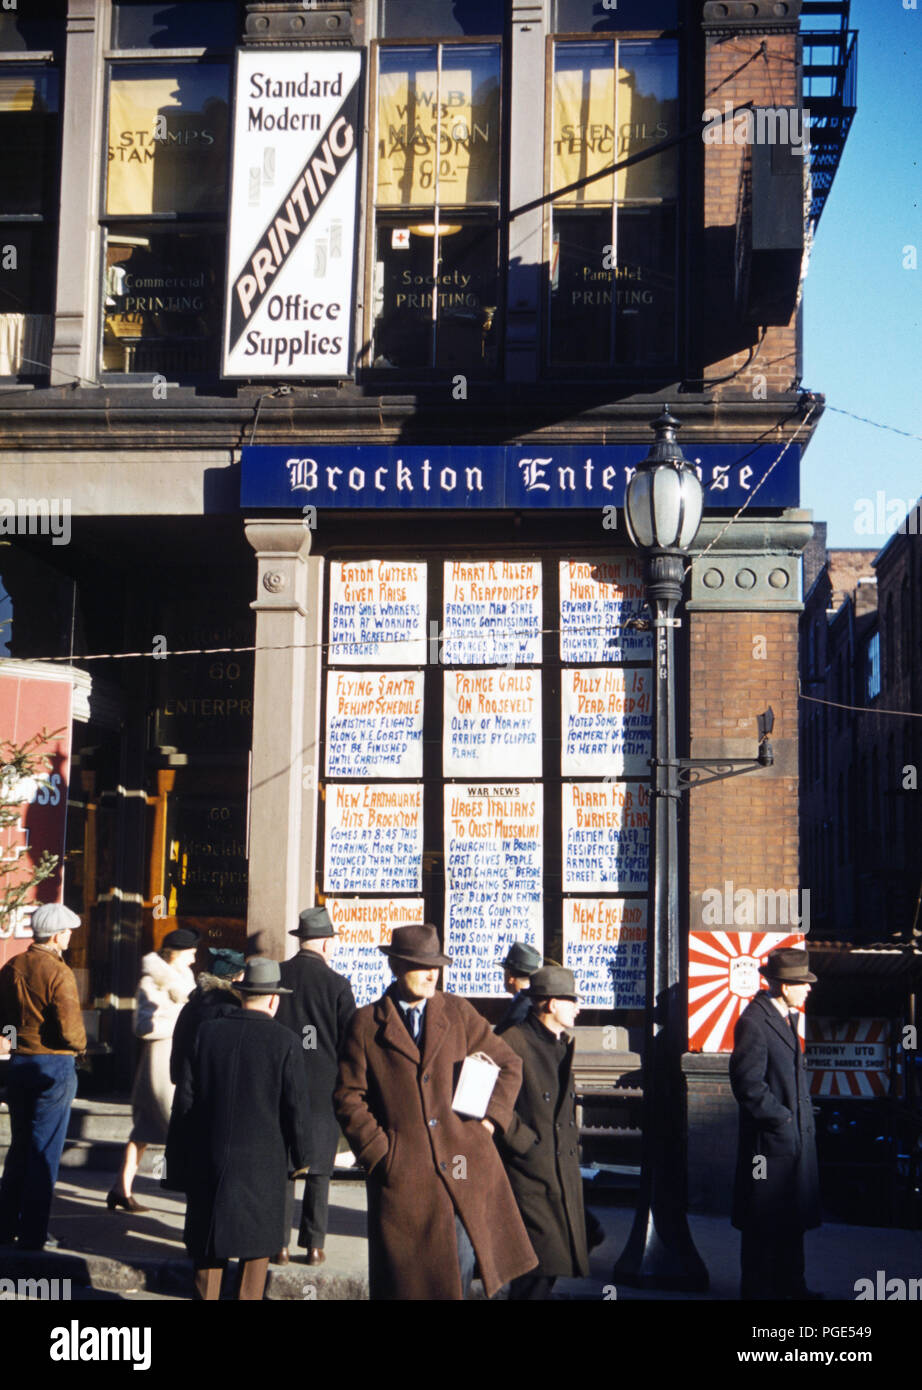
(435, 276)
(30, 48)
(596, 17)
(444, 19)
(165, 196)
(191, 24)
(873, 667)
(613, 248)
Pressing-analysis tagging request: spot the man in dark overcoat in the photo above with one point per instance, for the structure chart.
(776, 1192)
(519, 965)
(439, 1201)
(319, 1009)
(541, 1145)
(240, 1124)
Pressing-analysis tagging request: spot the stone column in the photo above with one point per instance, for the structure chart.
(286, 714)
(74, 354)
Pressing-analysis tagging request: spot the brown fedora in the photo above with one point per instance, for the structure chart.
(417, 945)
(788, 965)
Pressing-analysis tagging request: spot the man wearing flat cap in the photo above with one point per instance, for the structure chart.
(240, 1125)
(38, 999)
(439, 1202)
(541, 1145)
(776, 1191)
(319, 1009)
(520, 963)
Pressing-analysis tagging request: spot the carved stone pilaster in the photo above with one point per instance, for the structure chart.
(753, 565)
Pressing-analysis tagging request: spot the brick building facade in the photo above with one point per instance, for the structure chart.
(205, 786)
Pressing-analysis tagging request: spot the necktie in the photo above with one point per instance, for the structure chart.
(412, 1018)
(792, 1020)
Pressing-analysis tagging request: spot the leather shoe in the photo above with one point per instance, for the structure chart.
(315, 1256)
(282, 1257)
(50, 1243)
(117, 1198)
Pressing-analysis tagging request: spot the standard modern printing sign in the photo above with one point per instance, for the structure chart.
(293, 208)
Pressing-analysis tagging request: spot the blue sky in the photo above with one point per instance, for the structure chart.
(862, 309)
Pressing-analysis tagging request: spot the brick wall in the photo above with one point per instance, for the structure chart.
(760, 68)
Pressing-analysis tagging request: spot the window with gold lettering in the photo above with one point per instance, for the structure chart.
(612, 253)
(30, 51)
(435, 261)
(164, 206)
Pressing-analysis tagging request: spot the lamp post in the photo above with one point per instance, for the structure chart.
(663, 509)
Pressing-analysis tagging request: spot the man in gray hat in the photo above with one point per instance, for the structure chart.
(319, 1009)
(240, 1125)
(520, 963)
(38, 1000)
(541, 1145)
(776, 1192)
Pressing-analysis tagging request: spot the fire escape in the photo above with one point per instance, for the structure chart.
(830, 65)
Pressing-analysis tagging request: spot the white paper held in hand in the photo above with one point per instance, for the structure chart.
(475, 1085)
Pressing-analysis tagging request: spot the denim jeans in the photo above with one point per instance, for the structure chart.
(40, 1092)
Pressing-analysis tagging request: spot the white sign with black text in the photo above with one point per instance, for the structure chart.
(291, 243)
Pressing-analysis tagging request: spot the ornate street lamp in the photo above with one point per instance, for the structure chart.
(663, 509)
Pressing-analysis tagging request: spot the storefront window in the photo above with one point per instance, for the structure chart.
(613, 239)
(31, 28)
(192, 24)
(167, 163)
(436, 282)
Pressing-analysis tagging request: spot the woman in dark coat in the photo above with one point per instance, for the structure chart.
(213, 997)
(541, 1144)
(776, 1192)
(240, 1125)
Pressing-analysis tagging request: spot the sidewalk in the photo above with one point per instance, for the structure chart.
(142, 1256)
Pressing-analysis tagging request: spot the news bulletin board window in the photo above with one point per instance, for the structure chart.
(435, 261)
(612, 249)
(165, 196)
(486, 734)
(30, 50)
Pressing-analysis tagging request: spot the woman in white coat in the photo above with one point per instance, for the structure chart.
(166, 983)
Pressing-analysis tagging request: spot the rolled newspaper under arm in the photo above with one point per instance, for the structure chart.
(475, 1085)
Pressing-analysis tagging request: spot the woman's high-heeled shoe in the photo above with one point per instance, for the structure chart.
(118, 1198)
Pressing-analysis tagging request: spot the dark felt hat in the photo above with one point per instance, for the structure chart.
(788, 965)
(261, 976)
(521, 959)
(226, 963)
(314, 923)
(417, 945)
(182, 939)
(553, 982)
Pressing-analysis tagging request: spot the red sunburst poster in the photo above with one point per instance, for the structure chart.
(723, 975)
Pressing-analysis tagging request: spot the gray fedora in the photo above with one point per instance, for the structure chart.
(553, 982)
(261, 976)
(314, 923)
(521, 959)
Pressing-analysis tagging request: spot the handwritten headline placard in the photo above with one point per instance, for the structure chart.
(373, 838)
(606, 721)
(364, 924)
(374, 724)
(493, 879)
(377, 613)
(492, 724)
(605, 945)
(606, 837)
(492, 613)
(597, 598)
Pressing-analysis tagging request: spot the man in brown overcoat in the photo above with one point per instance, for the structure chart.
(438, 1198)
